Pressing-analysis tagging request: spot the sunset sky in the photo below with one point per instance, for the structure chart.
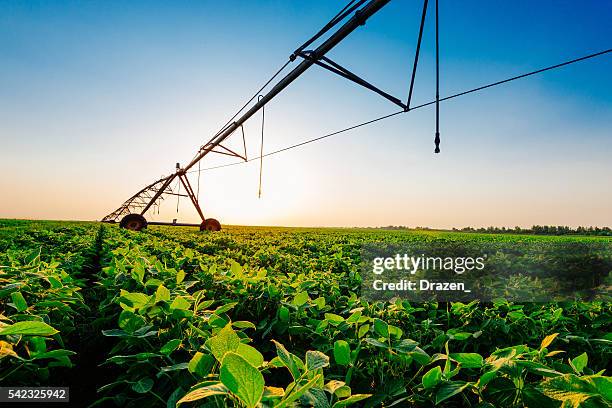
(99, 98)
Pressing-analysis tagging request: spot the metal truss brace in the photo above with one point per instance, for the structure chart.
(228, 152)
(194, 199)
(145, 198)
(338, 69)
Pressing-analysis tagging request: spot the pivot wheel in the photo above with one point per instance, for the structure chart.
(210, 224)
(134, 222)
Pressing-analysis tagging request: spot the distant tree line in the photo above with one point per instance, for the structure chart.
(543, 230)
(534, 230)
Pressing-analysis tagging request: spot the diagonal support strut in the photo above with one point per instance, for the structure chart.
(338, 69)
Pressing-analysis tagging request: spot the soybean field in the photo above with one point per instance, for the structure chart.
(274, 317)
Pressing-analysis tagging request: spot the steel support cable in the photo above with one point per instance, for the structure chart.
(348, 9)
(437, 139)
(178, 197)
(199, 172)
(243, 143)
(416, 54)
(252, 98)
(446, 98)
(337, 18)
(341, 15)
(261, 155)
(480, 88)
(306, 141)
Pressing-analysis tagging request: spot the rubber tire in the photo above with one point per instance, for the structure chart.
(210, 224)
(134, 222)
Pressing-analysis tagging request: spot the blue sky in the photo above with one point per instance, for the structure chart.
(98, 98)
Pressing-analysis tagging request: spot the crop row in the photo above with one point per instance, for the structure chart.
(40, 299)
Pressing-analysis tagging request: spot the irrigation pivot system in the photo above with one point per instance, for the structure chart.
(131, 214)
(133, 210)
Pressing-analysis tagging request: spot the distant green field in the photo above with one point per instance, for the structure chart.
(274, 317)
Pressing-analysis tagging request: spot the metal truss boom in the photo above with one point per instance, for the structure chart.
(361, 11)
(358, 19)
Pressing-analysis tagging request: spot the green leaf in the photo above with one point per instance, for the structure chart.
(300, 299)
(162, 294)
(603, 385)
(381, 327)
(283, 314)
(138, 272)
(54, 354)
(242, 379)
(143, 385)
(486, 378)
(316, 359)
(8, 289)
(534, 398)
(460, 336)
(140, 333)
(350, 400)
(333, 385)
(420, 356)
(180, 303)
(201, 364)
(342, 352)
(134, 300)
(250, 354)
(180, 276)
(287, 359)
(354, 318)
(19, 301)
(176, 367)
(170, 346)
(243, 324)
(209, 390)
(153, 282)
(579, 363)
(432, 377)
(37, 345)
(376, 343)
(56, 283)
(130, 322)
(537, 368)
(225, 308)
(343, 391)
(297, 393)
(172, 400)
(315, 398)
(224, 342)
(216, 321)
(571, 390)
(28, 329)
(334, 318)
(394, 332)
(468, 360)
(501, 392)
(363, 330)
(449, 389)
(203, 305)
(236, 269)
(319, 302)
(119, 359)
